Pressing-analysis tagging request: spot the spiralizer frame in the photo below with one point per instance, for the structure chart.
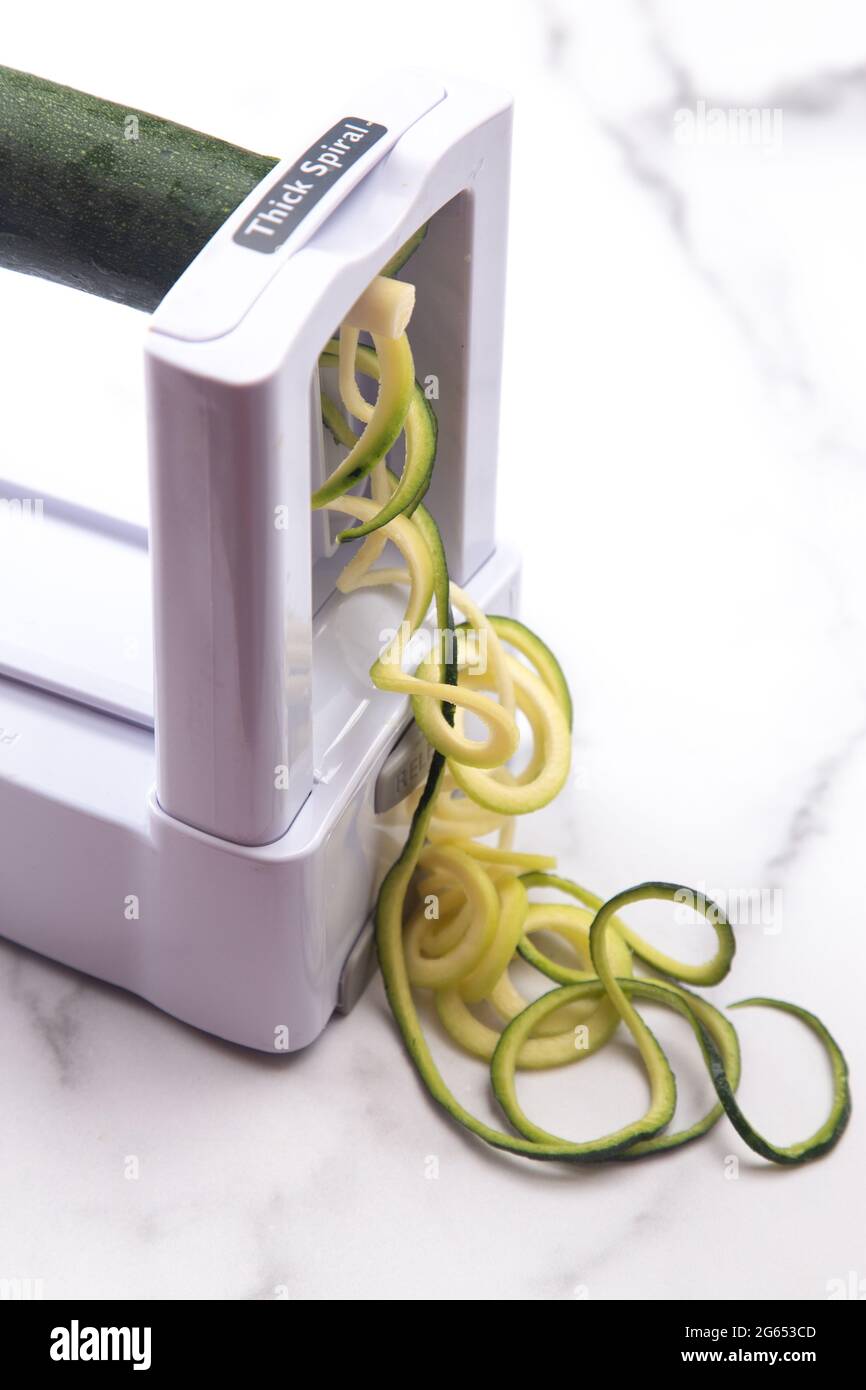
(209, 832)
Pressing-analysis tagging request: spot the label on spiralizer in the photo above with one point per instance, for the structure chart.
(295, 193)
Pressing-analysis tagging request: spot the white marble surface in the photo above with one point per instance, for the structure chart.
(684, 460)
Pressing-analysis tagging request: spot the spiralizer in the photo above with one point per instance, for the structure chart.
(208, 828)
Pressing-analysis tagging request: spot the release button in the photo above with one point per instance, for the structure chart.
(405, 766)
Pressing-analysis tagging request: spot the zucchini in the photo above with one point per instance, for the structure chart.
(385, 307)
(827, 1136)
(709, 973)
(400, 257)
(551, 741)
(419, 541)
(87, 206)
(419, 424)
(485, 919)
(475, 985)
(447, 739)
(517, 1047)
(554, 1042)
(431, 536)
(515, 1035)
(333, 418)
(383, 429)
(723, 1035)
(542, 694)
(524, 640)
(111, 200)
(510, 858)
(421, 573)
(539, 1053)
(479, 935)
(389, 945)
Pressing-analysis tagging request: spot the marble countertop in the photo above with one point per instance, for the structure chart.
(684, 467)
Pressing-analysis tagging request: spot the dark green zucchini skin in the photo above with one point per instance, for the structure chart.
(84, 204)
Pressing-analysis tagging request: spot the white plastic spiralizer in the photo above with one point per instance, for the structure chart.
(204, 828)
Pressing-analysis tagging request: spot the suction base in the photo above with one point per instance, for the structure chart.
(248, 943)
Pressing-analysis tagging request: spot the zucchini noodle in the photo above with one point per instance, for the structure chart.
(455, 913)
